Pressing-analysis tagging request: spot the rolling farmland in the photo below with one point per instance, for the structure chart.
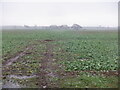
(61, 59)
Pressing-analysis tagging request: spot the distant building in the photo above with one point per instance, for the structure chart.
(76, 27)
(26, 26)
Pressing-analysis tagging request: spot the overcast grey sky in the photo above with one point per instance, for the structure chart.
(50, 13)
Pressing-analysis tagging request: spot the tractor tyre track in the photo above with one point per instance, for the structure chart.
(13, 59)
(48, 67)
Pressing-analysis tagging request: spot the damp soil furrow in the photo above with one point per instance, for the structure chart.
(48, 67)
(13, 59)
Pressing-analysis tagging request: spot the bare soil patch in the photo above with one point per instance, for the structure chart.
(48, 40)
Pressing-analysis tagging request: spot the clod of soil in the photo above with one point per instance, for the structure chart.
(48, 40)
(28, 52)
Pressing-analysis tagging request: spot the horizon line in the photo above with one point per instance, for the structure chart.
(58, 25)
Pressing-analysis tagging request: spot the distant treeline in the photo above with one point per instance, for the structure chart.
(51, 27)
(61, 27)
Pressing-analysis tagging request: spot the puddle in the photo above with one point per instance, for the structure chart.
(10, 84)
(12, 60)
(51, 74)
(21, 77)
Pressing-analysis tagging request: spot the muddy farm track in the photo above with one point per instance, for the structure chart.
(47, 66)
